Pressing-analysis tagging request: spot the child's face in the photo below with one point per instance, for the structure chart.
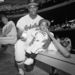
(43, 26)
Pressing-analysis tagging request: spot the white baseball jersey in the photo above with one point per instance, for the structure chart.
(24, 23)
(35, 39)
(28, 22)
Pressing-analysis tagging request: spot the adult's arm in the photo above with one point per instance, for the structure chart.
(10, 36)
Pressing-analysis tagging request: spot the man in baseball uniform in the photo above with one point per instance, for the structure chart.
(34, 41)
(26, 23)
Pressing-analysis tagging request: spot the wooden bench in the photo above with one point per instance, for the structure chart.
(58, 61)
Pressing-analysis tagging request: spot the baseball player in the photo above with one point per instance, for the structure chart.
(25, 23)
(34, 41)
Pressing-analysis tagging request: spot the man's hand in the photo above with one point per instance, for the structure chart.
(23, 39)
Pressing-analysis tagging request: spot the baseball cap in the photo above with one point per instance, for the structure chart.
(32, 4)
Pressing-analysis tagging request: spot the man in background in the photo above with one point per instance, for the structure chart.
(8, 35)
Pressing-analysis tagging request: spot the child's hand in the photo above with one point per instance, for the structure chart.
(40, 50)
(23, 39)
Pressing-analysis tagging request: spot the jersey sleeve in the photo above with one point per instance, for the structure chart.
(22, 22)
(20, 25)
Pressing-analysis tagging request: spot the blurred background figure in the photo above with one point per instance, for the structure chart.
(8, 35)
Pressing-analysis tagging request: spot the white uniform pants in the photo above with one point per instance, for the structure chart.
(20, 51)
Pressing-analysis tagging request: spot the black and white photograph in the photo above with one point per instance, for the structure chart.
(37, 37)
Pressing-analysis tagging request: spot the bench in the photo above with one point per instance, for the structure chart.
(58, 61)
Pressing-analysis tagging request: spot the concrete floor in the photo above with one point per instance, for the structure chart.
(7, 66)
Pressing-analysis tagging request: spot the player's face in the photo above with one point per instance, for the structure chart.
(33, 10)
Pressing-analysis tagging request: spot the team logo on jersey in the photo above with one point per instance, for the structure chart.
(30, 27)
